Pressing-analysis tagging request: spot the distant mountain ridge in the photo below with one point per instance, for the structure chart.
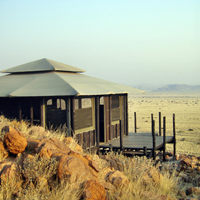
(169, 88)
(178, 88)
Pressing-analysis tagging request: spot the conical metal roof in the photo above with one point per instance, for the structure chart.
(42, 65)
(55, 82)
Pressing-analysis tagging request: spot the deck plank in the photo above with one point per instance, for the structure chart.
(137, 141)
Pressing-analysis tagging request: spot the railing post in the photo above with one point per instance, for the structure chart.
(121, 137)
(164, 138)
(174, 135)
(153, 137)
(135, 122)
(159, 123)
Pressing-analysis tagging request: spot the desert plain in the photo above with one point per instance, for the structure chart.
(185, 106)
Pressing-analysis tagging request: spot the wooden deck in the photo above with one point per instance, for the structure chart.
(137, 143)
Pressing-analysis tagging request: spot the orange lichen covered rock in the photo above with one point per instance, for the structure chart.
(118, 179)
(15, 142)
(3, 152)
(10, 174)
(52, 144)
(70, 142)
(72, 168)
(93, 190)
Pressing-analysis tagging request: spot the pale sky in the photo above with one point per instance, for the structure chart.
(124, 41)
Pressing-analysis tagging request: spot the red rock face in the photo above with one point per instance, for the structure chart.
(15, 142)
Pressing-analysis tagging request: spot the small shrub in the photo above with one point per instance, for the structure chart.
(34, 167)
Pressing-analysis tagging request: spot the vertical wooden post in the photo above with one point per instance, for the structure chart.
(174, 135)
(79, 103)
(164, 138)
(110, 116)
(106, 118)
(31, 111)
(97, 123)
(135, 122)
(42, 112)
(126, 113)
(20, 109)
(121, 136)
(72, 104)
(110, 148)
(145, 151)
(153, 137)
(68, 116)
(159, 123)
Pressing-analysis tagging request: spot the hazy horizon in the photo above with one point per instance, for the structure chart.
(129, 42)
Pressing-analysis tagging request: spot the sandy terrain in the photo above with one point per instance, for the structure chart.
(186, 107)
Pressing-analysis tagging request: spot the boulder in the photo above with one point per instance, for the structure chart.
(193, 190)
(52, 145)
(72, 168)
(104, 173)
(118, 179)
(70, 142)
(44, 152)
(15, 142)
(115, 162)
(21, 157)
(152, 176)
(3, 152)
(92, 163)
(4, 164)
(10, 175)
(107, 185)
(37, 130)
(7, 129)
(87, 160)
(188, 162)
(93, 190)
(32, 144)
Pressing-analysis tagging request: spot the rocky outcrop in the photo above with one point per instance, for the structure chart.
(29, 164)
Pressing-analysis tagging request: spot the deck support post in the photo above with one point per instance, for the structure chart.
(145, 151)
(153, 137)
(121, 137)
(97, 101)
(164, 138)
(31, 111)
(159, 123)
(135, 122)
(174, 136)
